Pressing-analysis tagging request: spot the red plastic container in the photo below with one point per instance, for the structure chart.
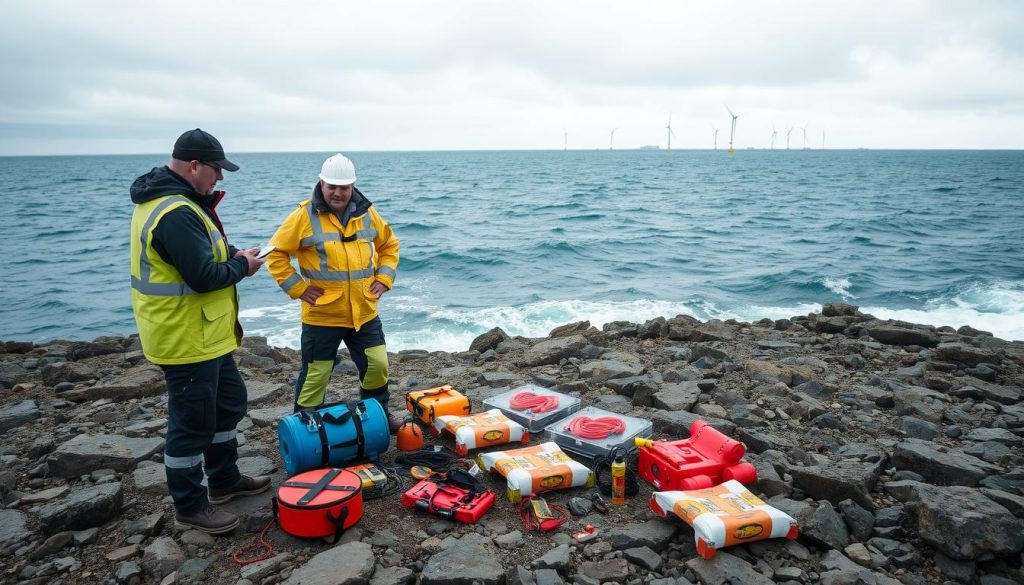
(436, 496)
(706, 459)
(321, 503)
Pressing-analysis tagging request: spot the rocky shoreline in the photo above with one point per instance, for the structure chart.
(899, 448)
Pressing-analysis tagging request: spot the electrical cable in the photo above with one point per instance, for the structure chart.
(437, 460)
(260, 543)
(532, 522)
(536, 403)
(602, 464)
(596, 428)
(396, 483)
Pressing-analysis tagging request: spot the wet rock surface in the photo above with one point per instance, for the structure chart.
(898, 447)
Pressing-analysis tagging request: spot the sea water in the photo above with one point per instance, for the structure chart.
(527, 241)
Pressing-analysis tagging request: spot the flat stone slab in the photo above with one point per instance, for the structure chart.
(346, 564)
(725, 569)
(85, 453)
(138, 382)
(463, 564)
(603, 370)
(903, 336)
(940, 468)
(150, 479)
(269, 417)
(551, 351)
(145, 428)
(681, 396)
(18, 414)
(263, 392)
(654, 534)
(838, 481)
(13, 528)
(960, 521)
(45, 495)
(84, 508)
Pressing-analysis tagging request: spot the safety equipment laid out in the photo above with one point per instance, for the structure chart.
(593, 432)
(707, 458)
(338, 170)
(409, 436)
(427, 405)
(333, 435)
(455, 495)
(724, 515)
(178, 325)
(537, 469)
(480, 430)
(533, 406)
(321, 503)
(538, 515)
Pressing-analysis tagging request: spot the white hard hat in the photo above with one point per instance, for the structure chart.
(338, 170)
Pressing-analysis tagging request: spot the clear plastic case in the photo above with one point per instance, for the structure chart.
(552, 406)
(605, 434)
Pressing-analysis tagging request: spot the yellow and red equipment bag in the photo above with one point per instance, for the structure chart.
(455, 495)
(707, 458)
(724, 515)
(427, 405)
(537, 469)
(484, 429)
(321, 503)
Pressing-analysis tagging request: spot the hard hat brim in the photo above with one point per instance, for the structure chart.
(339, 182)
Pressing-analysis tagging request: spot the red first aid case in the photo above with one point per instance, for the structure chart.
(452, 496)
(321, 503)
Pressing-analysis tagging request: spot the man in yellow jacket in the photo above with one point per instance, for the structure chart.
(348, 258)
(183, 276)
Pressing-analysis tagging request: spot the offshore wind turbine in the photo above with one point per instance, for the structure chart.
(823, 139)
(732, 128)
(788, 132)
(804, 128)
(670, 132)
(565, 145)
(772, 143)
(611, 143)
(716, 136)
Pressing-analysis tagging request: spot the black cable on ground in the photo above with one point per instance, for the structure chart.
(440, 461)
(604, 465)
(396, 484)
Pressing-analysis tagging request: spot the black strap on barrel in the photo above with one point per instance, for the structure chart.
(354, 410)
(315, 488)
(330, 418)
(339, 524)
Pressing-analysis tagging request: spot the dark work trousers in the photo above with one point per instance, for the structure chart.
(205, 401)
(320, 343)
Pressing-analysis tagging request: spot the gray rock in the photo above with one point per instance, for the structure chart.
(256, 572)
(556, 558)
(838, 481)
(495, 379)
(264, 392)
(959, 571)
(599, 371)
(657, 327)
(611, 570)
(938, 467)
(138, 382)
(1011, 502)
(256, 465)
(578, 327)
(463, 564)
(345, 564)
(192, 570)
(149, 525)
(1003, 436)
(645, 557)
(820, 524)
(53, 544)
(655, 534)
(677, 423)
(681, 396)
(959, 521)
(150, 478)
(489, 340)
(85, 453)
(547, 577)
(393, 576)
(771, 344)
(963, 353)
(15, 415)
(918, 429)
(903, 336)
(145, 428)
(84, 508)
(510, 540)
(860, 521)
(162, 557)
(127, 572)
(53, 374)
(997, 392)
(268, 417)
(726, 569)
(551, 351)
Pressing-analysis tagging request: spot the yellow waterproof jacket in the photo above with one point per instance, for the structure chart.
(343, 260)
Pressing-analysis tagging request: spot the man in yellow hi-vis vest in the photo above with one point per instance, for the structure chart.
(348, 258)
(183, 295)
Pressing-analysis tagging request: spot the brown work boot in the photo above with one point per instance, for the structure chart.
(245, 486)
(394, 423)
(211, 520)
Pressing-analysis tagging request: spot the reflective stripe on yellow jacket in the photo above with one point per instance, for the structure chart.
(178, 325)
(342, 260)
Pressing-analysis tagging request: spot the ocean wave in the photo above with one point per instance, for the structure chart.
(840, 286)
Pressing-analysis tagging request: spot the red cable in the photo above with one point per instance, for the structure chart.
(537, 403)
(596, 428)
(258, 544)
(531, 522)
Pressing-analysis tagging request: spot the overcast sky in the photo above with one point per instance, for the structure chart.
(124, 77)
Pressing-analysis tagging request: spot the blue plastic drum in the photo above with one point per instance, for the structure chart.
(333, 436)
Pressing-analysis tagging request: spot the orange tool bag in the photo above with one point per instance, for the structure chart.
(427, 405)
(455, 495)
(321, 503)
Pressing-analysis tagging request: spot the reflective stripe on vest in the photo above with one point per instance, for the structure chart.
(163, 289)
(290, 282)
(318, 240)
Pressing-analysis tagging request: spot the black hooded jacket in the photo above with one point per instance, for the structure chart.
(181, 239)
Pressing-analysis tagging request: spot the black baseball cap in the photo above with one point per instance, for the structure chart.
(203, 147)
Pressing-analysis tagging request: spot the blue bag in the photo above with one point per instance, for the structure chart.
(333, 435)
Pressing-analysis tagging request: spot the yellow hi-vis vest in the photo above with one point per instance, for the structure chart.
(178, 325)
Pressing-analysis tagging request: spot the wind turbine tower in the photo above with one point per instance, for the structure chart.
(670, 132)
(565, 145)
(823, 139)
(772, 142)
(788, 132)
(732, 129)
(716, 136)
(804, 128)
(611, 144)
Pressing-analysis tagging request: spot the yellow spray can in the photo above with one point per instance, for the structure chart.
(619, 479)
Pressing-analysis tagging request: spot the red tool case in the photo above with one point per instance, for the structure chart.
(321, 503)
(706, 459)
(451, 496)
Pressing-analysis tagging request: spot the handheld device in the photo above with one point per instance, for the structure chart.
(265, 250)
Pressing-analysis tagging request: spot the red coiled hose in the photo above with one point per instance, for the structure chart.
(537, 403)
(596, 428)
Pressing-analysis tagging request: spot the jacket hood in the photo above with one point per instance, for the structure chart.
(162, 181)
(362, 203)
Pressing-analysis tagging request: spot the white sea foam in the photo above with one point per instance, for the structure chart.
(840, 286)
(998, 309)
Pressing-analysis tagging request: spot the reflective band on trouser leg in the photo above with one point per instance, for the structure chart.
(224, 436)
(376, 367)
(182, 462)
(318, 373)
